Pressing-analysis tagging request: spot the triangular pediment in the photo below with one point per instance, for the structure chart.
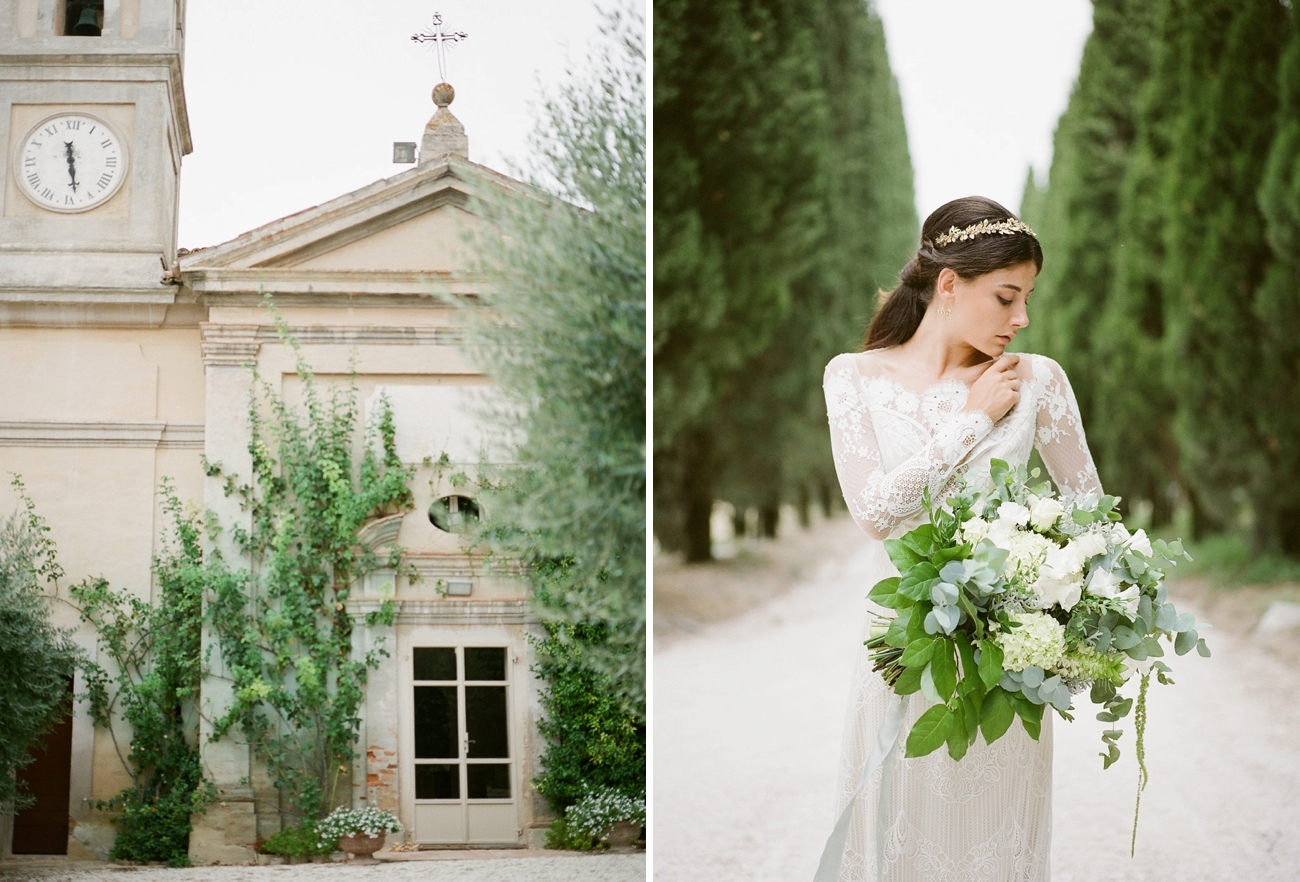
(420, 221)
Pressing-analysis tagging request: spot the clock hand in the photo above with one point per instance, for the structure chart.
(72, 164)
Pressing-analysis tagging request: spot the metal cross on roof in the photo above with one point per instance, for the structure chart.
(440, 39)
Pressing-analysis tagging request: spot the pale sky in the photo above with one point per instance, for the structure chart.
(983, 84)
(293, 104)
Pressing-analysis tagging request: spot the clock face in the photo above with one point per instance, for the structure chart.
(71, 162)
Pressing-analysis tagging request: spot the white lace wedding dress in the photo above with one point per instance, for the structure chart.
(987, 818)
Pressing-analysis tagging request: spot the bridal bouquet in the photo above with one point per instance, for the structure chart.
(1012, 600)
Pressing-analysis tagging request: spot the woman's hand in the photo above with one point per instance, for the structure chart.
(998, 389)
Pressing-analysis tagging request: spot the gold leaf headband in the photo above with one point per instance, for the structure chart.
(1006, 227)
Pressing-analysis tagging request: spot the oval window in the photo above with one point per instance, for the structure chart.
(453, 514)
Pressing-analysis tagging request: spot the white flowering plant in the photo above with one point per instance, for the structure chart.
(597, 811)
(1012, 600)
(368, 821)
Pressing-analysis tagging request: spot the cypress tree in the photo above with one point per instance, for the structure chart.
(1131, 434)
(782, 200)
(1277, 306)
(737, 108)
(1075, 219)
(773, 414)
(1217, 257)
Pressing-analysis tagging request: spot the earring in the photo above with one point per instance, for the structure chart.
(944, 310)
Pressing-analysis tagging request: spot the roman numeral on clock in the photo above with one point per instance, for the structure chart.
(104, 180)
(110, 162)
(34, 179)
(47, 193)
(106, 143)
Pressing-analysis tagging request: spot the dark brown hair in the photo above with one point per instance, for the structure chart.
(899, 311)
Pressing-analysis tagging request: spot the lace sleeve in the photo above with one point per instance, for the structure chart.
(880, 500)
(1059, 433)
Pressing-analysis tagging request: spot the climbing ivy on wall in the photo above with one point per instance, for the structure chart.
(152, 682)
(284, 631)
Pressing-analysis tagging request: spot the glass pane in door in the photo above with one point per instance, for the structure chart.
(485, 722)
(435, 663)
(437, 781)
(485, 663)
(488, 780)
(435, 722)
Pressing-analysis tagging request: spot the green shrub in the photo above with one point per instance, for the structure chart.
(561, 836)
(593, 741)
(301, 840)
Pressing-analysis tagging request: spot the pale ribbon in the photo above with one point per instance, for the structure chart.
(881, 756)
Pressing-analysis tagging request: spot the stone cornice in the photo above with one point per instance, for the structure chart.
(244, 287)
(452, 611)
(50, 433)
(62, 65)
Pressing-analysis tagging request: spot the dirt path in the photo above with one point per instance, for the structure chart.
(748, 714)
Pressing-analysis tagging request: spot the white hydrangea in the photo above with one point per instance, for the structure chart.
(974, 530)
(1039, 641)
(1027, 552)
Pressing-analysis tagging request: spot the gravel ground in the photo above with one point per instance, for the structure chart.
(747, 722)
(566, 868)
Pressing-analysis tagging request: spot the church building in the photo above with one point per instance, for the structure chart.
(125, 363)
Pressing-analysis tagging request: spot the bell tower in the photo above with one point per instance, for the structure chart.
(93, 127)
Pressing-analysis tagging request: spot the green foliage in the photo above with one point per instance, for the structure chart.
(36, 659)
(783, 200)
(1172, 219)
(153, 684)
(1102, 159)
(592, 739)
(560, 835)
(1218, 256)
(564, 339)
(300, 840)
(284, 629)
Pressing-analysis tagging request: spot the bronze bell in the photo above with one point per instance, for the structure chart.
(87, 25)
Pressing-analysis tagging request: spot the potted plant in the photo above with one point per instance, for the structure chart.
(360, 832)
(608, 816)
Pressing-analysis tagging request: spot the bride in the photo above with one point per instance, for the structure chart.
(933, 396)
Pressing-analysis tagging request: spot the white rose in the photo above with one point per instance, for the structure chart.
(1061, 589)
(1045, 514)
(1141, 543)
(1064, 561)
(1014, 512)
(1103, 583)
(1089, 545)
(1001, 531)
(1130, 597)
(1118, 533)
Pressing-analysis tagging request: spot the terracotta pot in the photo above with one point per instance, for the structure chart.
(623, 835)
(361, 847)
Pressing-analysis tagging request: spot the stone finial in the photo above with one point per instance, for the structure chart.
(444, 134)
